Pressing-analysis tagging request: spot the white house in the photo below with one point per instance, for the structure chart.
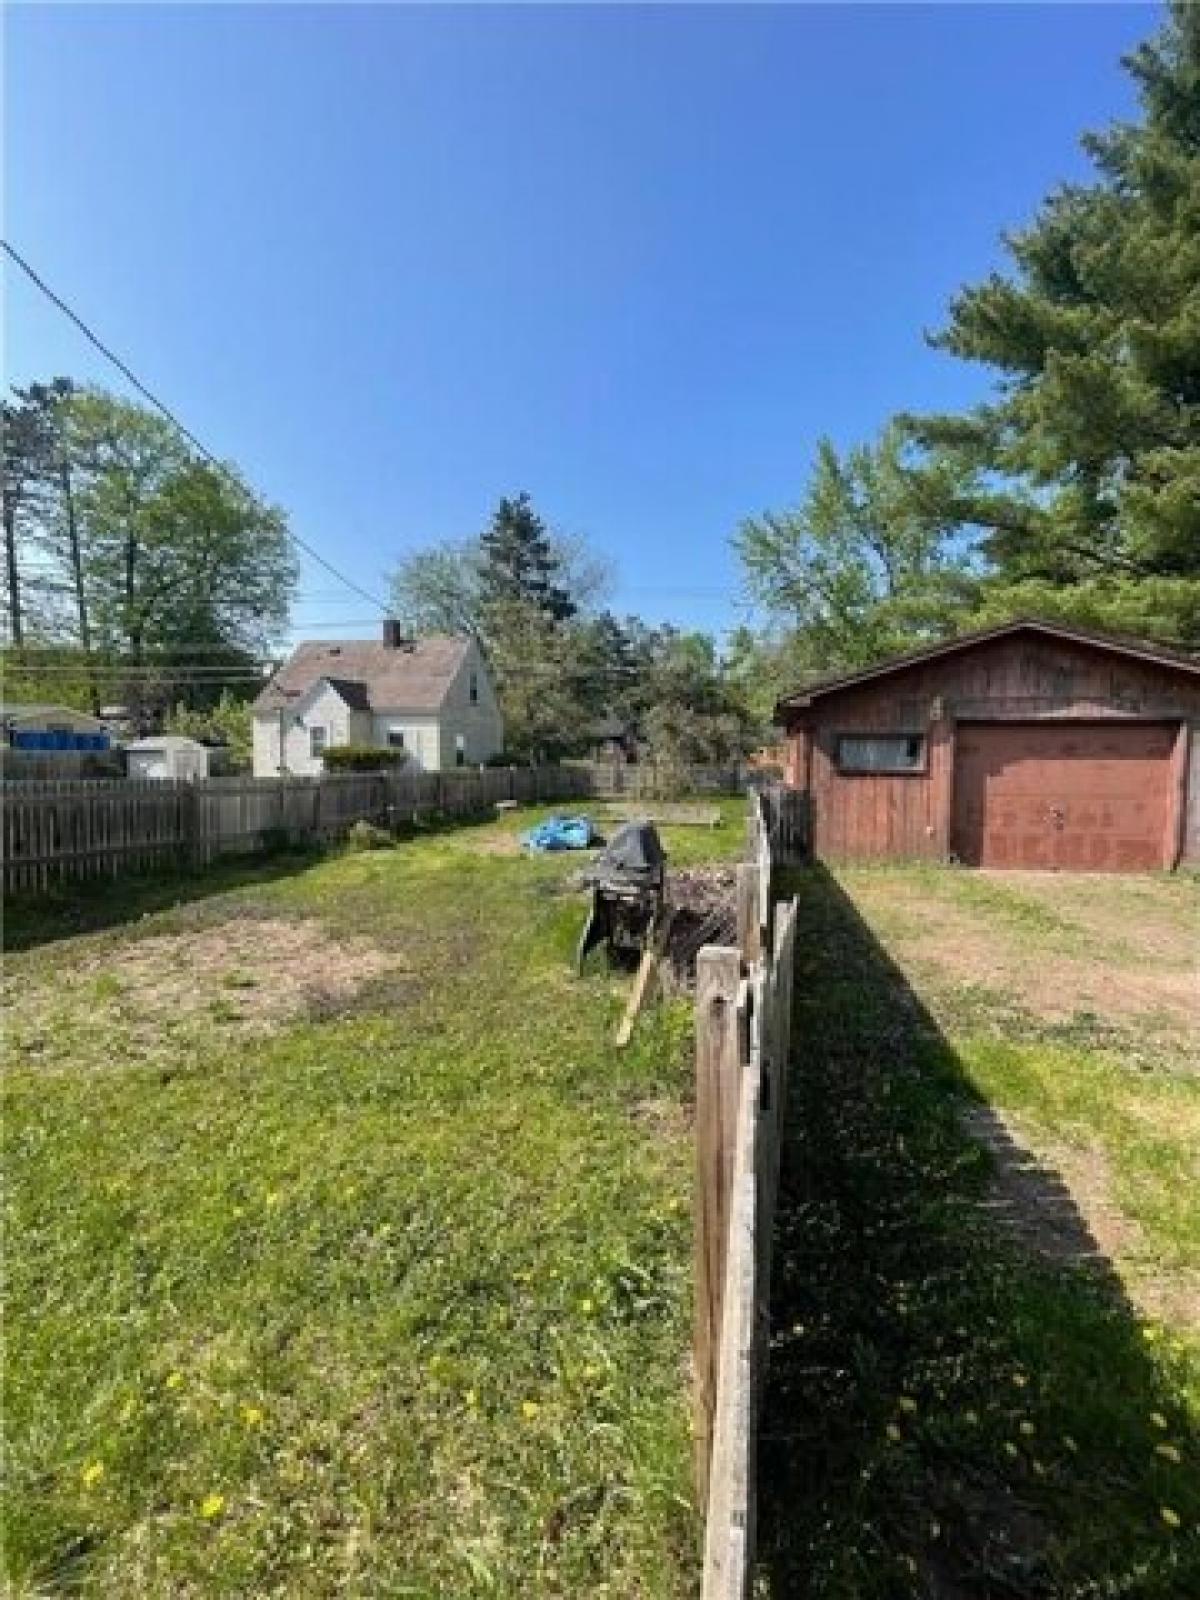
(432, 698)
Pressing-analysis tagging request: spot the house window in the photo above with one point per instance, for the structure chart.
(395, 738)
(316, 742)
(474, 688)
(460, 750)
(881, 752)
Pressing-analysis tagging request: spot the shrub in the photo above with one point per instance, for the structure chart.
(362, 758)
(364, 835)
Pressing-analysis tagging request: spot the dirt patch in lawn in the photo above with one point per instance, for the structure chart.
(1054, 974)
(247, 974)
(1147, 917)
(494, 844)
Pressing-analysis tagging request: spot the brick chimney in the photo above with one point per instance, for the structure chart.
(393, 634)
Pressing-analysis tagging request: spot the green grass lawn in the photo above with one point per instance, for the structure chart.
(344, 1254)
(985, 1375)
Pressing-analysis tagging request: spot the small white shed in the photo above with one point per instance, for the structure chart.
(169, 755)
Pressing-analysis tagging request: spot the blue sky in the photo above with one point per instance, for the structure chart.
(398, 261)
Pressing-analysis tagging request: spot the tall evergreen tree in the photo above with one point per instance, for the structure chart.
(1085, 466)
(520, 564)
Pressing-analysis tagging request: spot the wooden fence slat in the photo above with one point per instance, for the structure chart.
(738, 1154)
(718, 978)
(57, 831)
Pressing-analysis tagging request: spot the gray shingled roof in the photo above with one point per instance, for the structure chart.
(409, 677)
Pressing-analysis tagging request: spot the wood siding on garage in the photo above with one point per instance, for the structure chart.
(1027, 680)
(1081, 796)
(865, 815)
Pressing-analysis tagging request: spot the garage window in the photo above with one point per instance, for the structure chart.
(881, 752)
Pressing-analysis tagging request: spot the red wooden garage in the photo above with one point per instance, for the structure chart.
(1029, 745)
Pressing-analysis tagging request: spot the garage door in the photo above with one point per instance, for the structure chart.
(1084, 796)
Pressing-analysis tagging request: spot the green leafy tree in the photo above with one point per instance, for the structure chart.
(1083, 469)
(230, 721)
(537, 680)
(186, 567)
(183, 554)
(869, 562)
(439, 589)
(130, 559)
(693, 711)
(51, 674)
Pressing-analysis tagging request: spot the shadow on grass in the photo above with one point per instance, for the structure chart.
(99, 903)
(94, 904)
(960, 1400)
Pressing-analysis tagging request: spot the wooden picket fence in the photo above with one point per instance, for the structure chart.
(60, 830)
(743, 1040)
(65, 830)
(650, 780)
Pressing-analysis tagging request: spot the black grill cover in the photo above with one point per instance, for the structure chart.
(633, 855)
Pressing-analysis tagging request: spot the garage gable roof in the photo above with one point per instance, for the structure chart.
(1137, 649)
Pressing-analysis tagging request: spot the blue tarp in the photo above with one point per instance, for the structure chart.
(561, 833)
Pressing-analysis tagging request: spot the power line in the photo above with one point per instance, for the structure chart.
(165, 410)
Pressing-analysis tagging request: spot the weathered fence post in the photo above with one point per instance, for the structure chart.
(749, 918)
(718, 976)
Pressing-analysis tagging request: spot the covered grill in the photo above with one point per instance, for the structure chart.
(628, 884)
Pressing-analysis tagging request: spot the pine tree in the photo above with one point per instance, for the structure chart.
(1085, 467)
(519, 563)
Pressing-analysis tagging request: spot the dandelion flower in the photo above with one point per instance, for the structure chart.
(252, 1416)
(472, 1398)
(1020, 1379)
(1168, 1452)
(529, 1409)
(212, 1506)
(92, 1474)
(907, 1404)
(587, 1307)
(175, 1380)
(272, 1198)
(1171, 1518)
(1028, 1429)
